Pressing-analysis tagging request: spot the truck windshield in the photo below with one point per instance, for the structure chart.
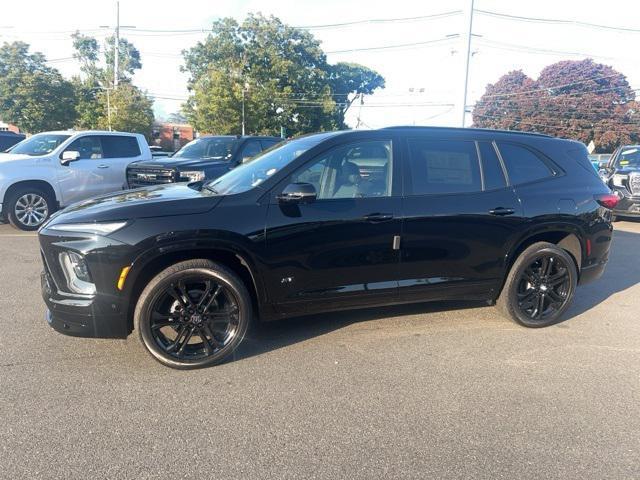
(629, 157)
(209, 148)
(265, 165)
(39, 145)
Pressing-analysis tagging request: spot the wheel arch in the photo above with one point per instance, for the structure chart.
(149, 264)
(40, 184)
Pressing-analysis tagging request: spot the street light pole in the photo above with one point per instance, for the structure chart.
(116, 46)
(243, 110)
(465, 58)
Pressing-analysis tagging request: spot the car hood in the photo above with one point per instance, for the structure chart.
(180, 164)
(627, 170)
(15, 157)
(156, 201)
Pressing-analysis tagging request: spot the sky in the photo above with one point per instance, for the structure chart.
(423, 82)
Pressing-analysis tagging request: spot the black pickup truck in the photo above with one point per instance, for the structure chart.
(9, 139)
(202, 159)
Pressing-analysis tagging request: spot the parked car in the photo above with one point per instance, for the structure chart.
(622, 174)
(9, 139)
(327, 222)
(599, 159)
(54, 169)
(204, 158)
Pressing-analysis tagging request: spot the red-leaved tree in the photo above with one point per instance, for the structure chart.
(582, 100)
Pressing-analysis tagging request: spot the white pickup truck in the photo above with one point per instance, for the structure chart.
(54, 169)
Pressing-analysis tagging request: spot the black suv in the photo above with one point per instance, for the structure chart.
(622, 174)
(329, 222)
(205, 158)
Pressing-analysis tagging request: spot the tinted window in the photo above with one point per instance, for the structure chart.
(89, 148)
(628, 157)
(491, 168)
(522, 164)
(268, 143)
(120, 147)
(250, 149)
(439, 166)
(357, 170)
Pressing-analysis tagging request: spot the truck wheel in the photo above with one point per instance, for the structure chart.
(28, 207)
(540, 286)
(193, 314)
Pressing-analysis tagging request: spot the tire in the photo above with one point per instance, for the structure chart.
(184, 303)
(23, 198)
(540, 286)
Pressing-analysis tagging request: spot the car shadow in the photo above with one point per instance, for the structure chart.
(270, 336)
(622, 272)
(274, 335)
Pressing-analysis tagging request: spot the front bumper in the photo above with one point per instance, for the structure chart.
(629, 205)
(97, 316)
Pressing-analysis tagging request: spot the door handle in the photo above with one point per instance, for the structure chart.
(502, 211)
(102, 165)
(378, 217)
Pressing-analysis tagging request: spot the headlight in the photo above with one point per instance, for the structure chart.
(95, 228)
(76, 273)
(618, 179)
(192, 175)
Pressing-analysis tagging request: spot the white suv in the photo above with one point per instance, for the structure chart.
(54, 169)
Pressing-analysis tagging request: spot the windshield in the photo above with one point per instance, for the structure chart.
(39, 145)
(210, 148)
(629, 157)
(260, 168)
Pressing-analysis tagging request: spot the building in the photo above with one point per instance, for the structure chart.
(171, 136)
(7, 127)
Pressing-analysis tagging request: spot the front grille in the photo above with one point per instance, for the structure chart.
(634, 183)
(142, 177)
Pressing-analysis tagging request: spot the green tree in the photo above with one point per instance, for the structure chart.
(33, 96)
(582, 100)
(127, 107)
(283, 73)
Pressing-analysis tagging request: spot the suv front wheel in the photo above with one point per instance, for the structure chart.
(540, 286)
(28, 207)
(193, 314)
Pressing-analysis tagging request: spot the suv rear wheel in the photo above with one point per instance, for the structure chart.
(193, 314)
(540, 286)
(28, 207)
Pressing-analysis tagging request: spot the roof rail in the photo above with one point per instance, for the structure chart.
(459, 129)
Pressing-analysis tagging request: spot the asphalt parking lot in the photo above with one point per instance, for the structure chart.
(425, 391)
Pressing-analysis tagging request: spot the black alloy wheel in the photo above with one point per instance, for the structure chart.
(193, 314)
(540, 285)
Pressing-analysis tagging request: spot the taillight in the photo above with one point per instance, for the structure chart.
(607, 200)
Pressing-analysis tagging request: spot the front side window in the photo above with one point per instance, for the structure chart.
(357, 170)
(89, 148)
(39, 145)
(207, 148)
(443, 166)
(120, 147)
(522, 164)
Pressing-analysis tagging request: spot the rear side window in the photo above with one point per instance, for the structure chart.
(439, 166)
(522, 164)
(120, 147)
(251, 149)
(268, 143)
(491, 168)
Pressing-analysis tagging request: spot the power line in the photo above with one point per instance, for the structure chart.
(546, 51)
(385, 47)
(556, 21)
(382, 20)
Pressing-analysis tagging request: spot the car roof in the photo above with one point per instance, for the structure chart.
(239, 137)
(465, 130)
(90, 132)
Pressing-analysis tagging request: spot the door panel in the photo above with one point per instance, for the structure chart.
(82, 178)
(339, 248)
(459, 220)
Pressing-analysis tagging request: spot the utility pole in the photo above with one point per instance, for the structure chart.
(116, 48)
(108, 108)
(116, 44)
(243, 110)
(465, 59)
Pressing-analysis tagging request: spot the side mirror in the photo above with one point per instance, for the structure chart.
(298, 193)
(69, 156)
